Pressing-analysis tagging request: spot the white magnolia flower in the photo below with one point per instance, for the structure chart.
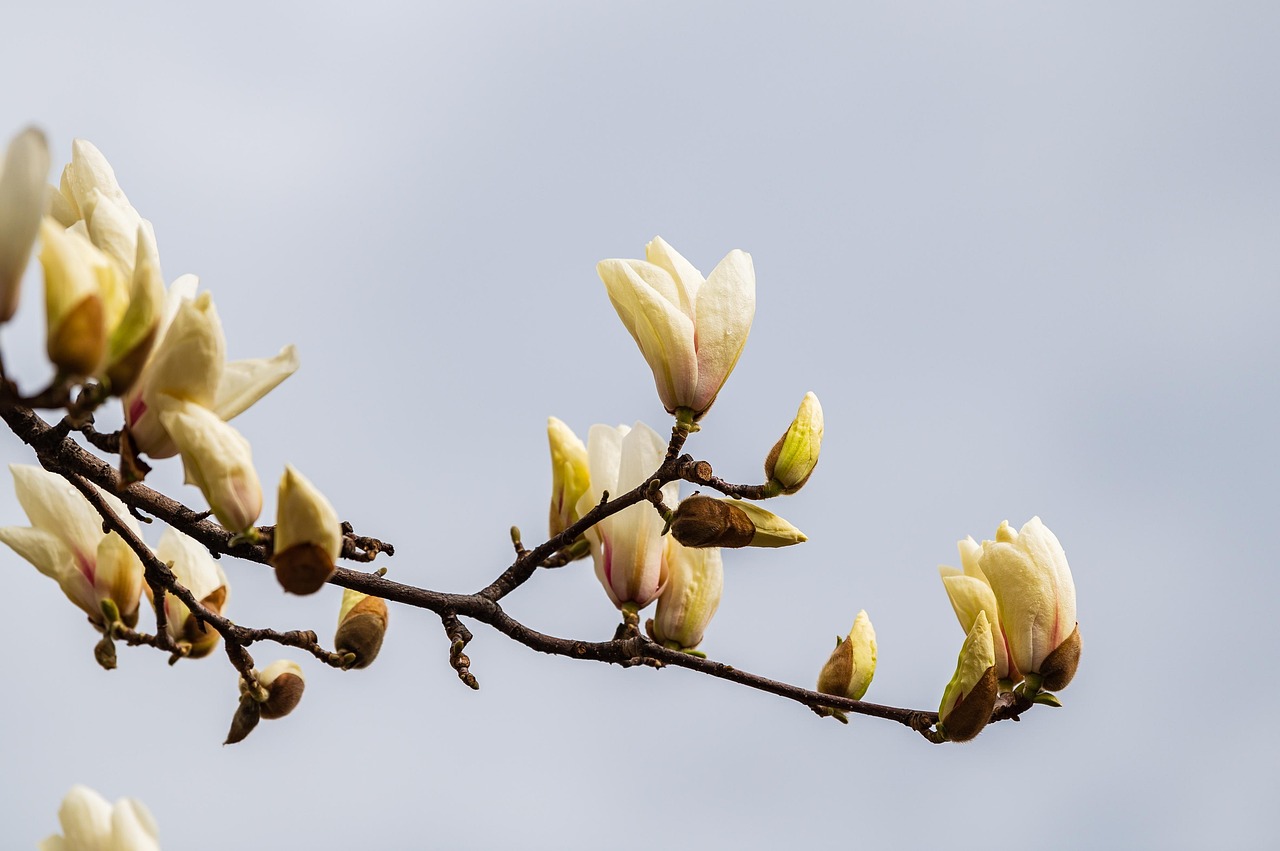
(89, 823)
(22, 176)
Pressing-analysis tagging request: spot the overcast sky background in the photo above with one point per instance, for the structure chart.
(1026, 254)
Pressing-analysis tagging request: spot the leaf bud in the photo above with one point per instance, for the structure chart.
(362, 624)
(793, 457)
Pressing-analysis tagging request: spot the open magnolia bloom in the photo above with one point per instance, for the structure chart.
(691, 330)
(189, 365)
(89, 823)
(1036, 596)
(200, 574)
(22, 176)
(970, 594)
(628, 548)
(66, 543)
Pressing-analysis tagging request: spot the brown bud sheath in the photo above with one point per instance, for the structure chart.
(362, 630)
(243, 722)
(972, 712)
(303, 568)
(284, 695)
(1060, 666)
(702, 521)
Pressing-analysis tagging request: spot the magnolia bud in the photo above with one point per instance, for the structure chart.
(284, 685)
(695, 580)
(570, 475)
(1060, 666)
(76, 314)
(703, 521)
(217, 459)
(970, 697)
(308, 537)
(248, 713)
(852, 664)
(362, 624)
(22, 193)
(793, 457)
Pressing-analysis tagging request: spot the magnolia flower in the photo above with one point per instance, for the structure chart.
(65, 542)
(83, 293)
(970, 596)
(308, 536)
(362, 624)
(692, 595)
(852, 664)
(22, 175)
(1036, 596)
(627, 547)
(570, 475)
(200, 574)
(793, 457)
(89, 823)
(189, 364)
(691, 330)
(705, 521)
(217, 459)
(969, 698)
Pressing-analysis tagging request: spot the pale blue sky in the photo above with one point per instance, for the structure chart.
(1025, 254)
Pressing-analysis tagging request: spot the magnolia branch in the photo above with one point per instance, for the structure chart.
(59, 453)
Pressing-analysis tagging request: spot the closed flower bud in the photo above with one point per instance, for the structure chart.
(970, 697)
(852, 664)
(217, 459)
(74, 273)
(570, 475)
(694, 584)
(308, 537)
(793, 457)
(200, 574)
(691, 330)
(704, 521)
(362, 624)
(284, 685)
(22, 203)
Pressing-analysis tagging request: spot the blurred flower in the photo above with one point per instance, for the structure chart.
(200, 574)
(570, 475)
(89, 823)
(691, 597)
(691, 330)
(189, 364)
(1036, 595)
(704, 521)
(971, 595)
(971, 695)
(852, 664)
(65, 542)
(362, 624)
(308, 536)
(217, 459)
(627, 547)
(793, 457)
(22, 176)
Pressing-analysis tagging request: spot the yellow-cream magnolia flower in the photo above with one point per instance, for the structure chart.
(793, 457)
(308, 536)
(627, 547)
(66, 543)
(83, 295)
(200, 574)
(694, 585)
(691, 330)
(852, 664)
(22, 203)
(89, 823)
(1036, 596)
(189, 364)
(570, 475)
(969, 698)
(217, 459)
(971, 595)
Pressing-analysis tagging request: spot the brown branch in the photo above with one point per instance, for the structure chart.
(63, 456)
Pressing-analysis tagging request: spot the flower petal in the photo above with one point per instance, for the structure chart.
(244, 382)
